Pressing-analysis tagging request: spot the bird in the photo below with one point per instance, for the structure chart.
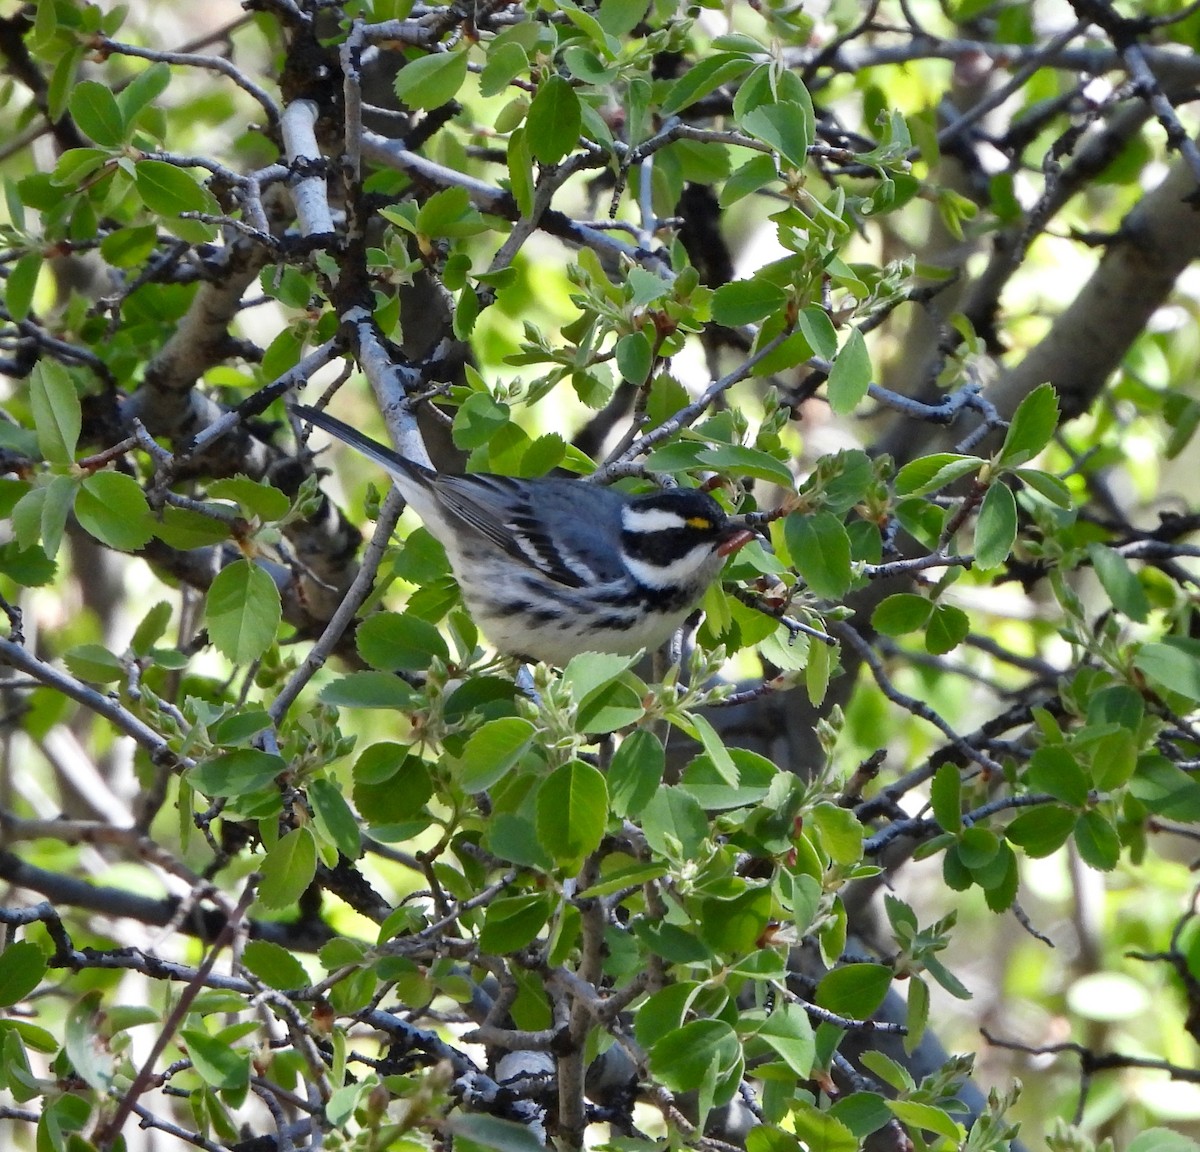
(550, 568)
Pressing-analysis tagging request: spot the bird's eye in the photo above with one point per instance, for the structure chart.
(700, 523)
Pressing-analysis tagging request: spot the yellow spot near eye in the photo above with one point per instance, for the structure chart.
(700, 522)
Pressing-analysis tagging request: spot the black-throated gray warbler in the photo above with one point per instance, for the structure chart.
(550, 568)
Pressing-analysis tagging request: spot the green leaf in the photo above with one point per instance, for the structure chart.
(1032, 425)
(750, 177)
(554, 120)
(391, 641)
(274, 965)
(433, 80)
(1117, 704)
(129, 247)
(466, 312)
(185, 528)
(150, 630)
(901, 613)
(240, 727)
(743, 461)
(816, 327)
(17, 1073)
(620, 17)
(545, 454)
(397, 796)
(379, 763)
(112, 507)
(820, 550)
(22, 966)
(45, 26)
(335, 821)
(977, 847)
(929, 473)
(854, 990)
(368, 690)
(916, 1013)
(219, 1065)
(635, 772)
(288, 869)
(590, 673)
(1114, 759)
(236, 773)
(861, 1112)
(1166, 789)
(643, 288)
(734, 926)
(94, 663)
(635, 357)
(520, 170)
(572, 812)
(1000, 880)
(493, 749)
(747, 301)
(26, 517)
(142, 91)
(505, 60)
(1041, 831)
(284, 352)
(1173, 665)
(664, 1012)
(1161, 1140)
(787, 126)
(996, 527)
(77, 164)
(451, 214)
(682, 1058)
(478, 419)
(840, 833)
(1119, 582)
(167, 190)
(54, 507)
(616, 706)
(1097, 841)
(701, 727)
(513, 922)
(945, 793)
(944, 976)
(763, 1138)
(96, 112)
(1045, 485)
(1054, 770)
(713, 792)
(90, 1057)
(21, 284)
(674, 824)
(920, 1117)
(706, 76)
(816, 1129)
(56, 413)
(242, 612)
(788, 1031)
(254, 497)
(473, 1130)
(947, 628)
(850, 376)
(887, 1070)
(29, 567)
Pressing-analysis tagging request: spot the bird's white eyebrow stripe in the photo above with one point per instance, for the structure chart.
(650, 519)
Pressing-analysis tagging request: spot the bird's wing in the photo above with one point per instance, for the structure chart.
(513, 515)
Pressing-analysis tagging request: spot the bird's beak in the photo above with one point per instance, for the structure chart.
(737, 538)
